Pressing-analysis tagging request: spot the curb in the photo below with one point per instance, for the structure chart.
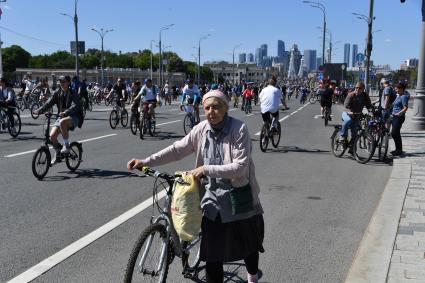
(372, 260)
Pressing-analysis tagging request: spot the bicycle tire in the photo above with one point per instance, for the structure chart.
(383, 146)
(187, 123)
(152, 127)
(364, 143)
(264, 138)
(143, 238)
(191, 260)
(338, 147)
(90, 106)
(34, 107)
(276, 134)
(134, 124)
(142, 127)
(124, 118)
(326, 118)
(113, 119)
(17, 122)
(41, 157)
(312, 100)
(73, 159)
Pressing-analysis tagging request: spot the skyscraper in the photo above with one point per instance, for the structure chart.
(347, 54)
(280, 48)
(263, 48)
(258, 56)
(250, 57)
(242, 57)
(310, 60)
(355, 48)
(297, 57)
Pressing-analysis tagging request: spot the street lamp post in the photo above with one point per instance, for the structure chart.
(75, 19)
(233, 64)
(199, 56)
(152, 58)
(102, 34)
(160, 52)
(1, 43)
(321, 7)
(369, 21)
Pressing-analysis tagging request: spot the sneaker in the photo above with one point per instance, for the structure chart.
(330, 118)
(65, 149)
(397, 152)
(252, 278)
(56, 158)
(350, 151)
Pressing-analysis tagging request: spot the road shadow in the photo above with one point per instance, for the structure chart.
(30, 124)
(233, 272)
(96, 173)
(160, 135)
(285, 149)
(95, 119)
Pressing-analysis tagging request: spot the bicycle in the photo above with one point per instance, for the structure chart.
(362, 146)
(272, 132)
(189, 119)
(5, 123)
(313, 98)
(327, 114)
(160, 236)
(380, 133)
(147, 123)
(41, 161)
(134, 122)
(118, 113)
(248, 105)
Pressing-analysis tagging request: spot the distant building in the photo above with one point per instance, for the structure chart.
(412, 63)
(310, 60)
(263, 48)
(354, 55)
(250, 58)
(242, 57)
(347, 54)
(258, 57)
(280, 48)
(319, 61)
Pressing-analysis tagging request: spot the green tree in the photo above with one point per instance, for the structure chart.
(15, 57)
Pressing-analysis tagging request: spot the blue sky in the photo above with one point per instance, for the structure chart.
(230, 22)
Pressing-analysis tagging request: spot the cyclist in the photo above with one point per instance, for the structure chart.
(70, 115)
(29, 85)
(269, 102)
(84, 94)
(248, 95)
(7, 100)
(44, 88)
(135, 97)
(354, 103)
(167, 93)
(191, 91)
(120, 90)
(326, 98)
(232, 223)
(150, 94)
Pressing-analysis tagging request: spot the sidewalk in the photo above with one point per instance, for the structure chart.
(393, 247)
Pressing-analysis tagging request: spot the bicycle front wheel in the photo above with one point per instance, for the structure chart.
(16, 125)
(338, 145)
(187, 123)
(364, 147)
(113, 119)
(34, 107)
(41, 162)
(149, 258)
(133, 124)
(383, 146)
(276, 134)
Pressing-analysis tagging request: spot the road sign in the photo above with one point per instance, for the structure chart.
(360, 57)
(361, 74)
(81, 47)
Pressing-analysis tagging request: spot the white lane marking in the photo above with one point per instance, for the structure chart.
(249, 115)
(286, 117)
(45, 265)
(169, 122)
(319, 116)
(34, 150)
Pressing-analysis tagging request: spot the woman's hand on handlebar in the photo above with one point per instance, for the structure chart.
(134, 164)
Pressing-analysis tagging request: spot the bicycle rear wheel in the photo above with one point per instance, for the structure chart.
(142, 127)
(152, 127)
(34, 107)
(276, 134)
(41, 162)
(264, 137)
(113, 119)
(149, 258)
(187, 123)
(124, 118)
(73, 159)
(338, 146)
(364, 147)
(383, 146)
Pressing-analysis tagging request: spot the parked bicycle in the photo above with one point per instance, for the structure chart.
(271, 132)
(380, 133)
(5, 122)
(362, 145)
(41, 161)
(118, 113)
(159, 244)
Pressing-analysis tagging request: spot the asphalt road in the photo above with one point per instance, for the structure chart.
(317, 207)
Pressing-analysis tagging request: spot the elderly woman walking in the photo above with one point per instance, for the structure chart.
(232, 223)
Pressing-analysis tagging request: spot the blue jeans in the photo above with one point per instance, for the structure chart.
(348, 122)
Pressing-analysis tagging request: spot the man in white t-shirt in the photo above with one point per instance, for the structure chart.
(270, 100)
(149, 95)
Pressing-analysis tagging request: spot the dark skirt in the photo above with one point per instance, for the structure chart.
(233, 241)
